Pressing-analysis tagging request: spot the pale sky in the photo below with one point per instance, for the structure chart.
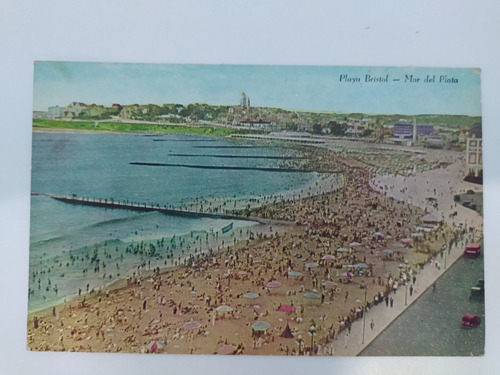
(325, 88)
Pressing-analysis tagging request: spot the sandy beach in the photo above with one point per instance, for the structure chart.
(299, 286)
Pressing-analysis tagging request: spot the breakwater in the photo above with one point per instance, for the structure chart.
(263, 169)
(242, 156)
(144, 207)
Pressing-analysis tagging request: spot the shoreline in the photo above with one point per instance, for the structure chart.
(152, 128)
(318, 184)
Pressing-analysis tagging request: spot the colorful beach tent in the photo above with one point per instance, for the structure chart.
(287, 333)
(155, 345)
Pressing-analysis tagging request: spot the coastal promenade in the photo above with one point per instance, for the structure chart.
(438, 313)
(444, 184)
(361, 333)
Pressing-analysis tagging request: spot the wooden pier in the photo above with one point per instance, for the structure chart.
(144, 207)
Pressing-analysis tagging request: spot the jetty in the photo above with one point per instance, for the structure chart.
(235, 168)
(144, 207)
(242, 156)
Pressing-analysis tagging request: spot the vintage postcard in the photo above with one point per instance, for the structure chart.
(256, 210)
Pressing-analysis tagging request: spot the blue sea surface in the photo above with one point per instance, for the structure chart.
(63, 237)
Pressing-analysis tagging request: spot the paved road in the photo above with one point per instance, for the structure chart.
(431, 326)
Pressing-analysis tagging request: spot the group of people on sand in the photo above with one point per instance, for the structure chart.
(320, 262)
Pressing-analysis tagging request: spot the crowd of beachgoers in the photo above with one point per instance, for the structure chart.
(321, 260)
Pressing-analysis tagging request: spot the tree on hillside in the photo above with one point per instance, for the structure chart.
(317, 128)
(338, 129)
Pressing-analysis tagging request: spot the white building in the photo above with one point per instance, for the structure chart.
(474, 153)
(244, 100)
(54, 112)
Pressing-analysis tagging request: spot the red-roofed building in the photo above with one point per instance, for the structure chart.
(78, 105)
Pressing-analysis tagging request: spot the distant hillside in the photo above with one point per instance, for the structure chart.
(281, 119)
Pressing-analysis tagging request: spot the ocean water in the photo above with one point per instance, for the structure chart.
(74, 249)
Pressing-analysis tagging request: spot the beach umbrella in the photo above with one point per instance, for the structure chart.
(311, 295)
(286, 308)
(224, 309)
(294, 273)
(430, 218)
(407, 240)
(415, 234)
(311, 265)
(242, 272)
(328, 257)
(354, 244)
(155, 345)
(346, 274)
(273, 284)
(329, 284)
(387, 251)
(361, 265)
(192, 325)
(398, 246)
(251, 295)
(378, 234)
(261, 326)
(342, 250)
(226, 349)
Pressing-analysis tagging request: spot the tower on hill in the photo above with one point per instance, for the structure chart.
(244, 100)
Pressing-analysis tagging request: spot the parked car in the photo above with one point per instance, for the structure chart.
(472, 250)
(477, 291)
(470, 321)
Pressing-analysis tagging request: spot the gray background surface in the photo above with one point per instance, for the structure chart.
(448, 33)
